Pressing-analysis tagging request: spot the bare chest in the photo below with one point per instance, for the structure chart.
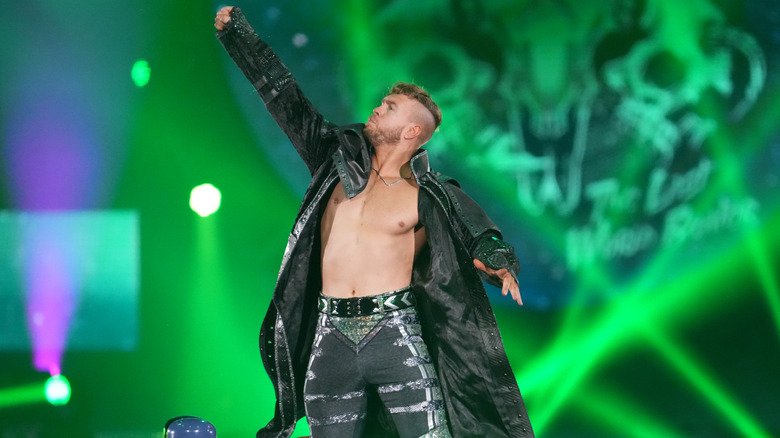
(378, 209)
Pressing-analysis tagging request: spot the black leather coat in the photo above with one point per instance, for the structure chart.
(478, 386)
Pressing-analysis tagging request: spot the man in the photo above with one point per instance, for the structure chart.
(379, 323)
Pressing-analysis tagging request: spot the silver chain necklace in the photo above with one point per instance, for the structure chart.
(384, 180)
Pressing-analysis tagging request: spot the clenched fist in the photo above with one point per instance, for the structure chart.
(223, 17)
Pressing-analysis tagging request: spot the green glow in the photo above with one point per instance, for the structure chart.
(764, 266)
(570, 364)
(365, 49)
(706, 386)
(205, 199)
(22, 395)
(762, 124)
(207, 282)
(302, 428)
(732, 180)
(587, 340)
(592, 337)
(621, 414)
(58, 390)
(141, 73)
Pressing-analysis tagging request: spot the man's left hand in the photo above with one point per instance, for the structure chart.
(510, 285)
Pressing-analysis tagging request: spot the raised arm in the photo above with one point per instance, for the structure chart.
(293, 112)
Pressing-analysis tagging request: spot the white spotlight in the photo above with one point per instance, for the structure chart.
(205, 199)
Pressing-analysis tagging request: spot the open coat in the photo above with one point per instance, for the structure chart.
(478, 386)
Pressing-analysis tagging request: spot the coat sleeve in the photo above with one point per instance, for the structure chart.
(306, 128)
(482, 237)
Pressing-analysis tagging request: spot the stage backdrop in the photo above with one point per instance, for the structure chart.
(628, 149)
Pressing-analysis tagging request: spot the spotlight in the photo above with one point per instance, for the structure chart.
(141, 73)
(57, 390)
(205, 199)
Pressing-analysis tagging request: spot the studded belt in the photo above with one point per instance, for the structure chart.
(365, 306)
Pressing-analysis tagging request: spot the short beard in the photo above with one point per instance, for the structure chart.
(379, 136)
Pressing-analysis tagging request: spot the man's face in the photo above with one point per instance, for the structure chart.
(387, 122)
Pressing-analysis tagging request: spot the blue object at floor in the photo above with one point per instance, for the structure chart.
(189, 427)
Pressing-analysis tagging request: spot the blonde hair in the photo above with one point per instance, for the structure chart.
(417, 93)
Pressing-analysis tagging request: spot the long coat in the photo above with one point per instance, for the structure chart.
(480, 391)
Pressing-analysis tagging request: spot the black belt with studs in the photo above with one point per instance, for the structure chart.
(365, 306)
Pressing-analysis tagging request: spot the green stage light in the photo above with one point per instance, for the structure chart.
(141, 73)
(738, 417)
(205, 199)
(22, 395)
(621, 413)
(57, 390)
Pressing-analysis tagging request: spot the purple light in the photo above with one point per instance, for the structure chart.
(53, 162)
(65, 105)
(51, 295)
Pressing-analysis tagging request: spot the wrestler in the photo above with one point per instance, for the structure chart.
(379, 324)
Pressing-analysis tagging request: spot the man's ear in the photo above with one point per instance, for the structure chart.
(412, 131)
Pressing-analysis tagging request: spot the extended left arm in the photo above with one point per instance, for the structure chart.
(492, 255)
(497, 259)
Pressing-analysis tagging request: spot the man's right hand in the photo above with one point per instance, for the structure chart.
(223, 17)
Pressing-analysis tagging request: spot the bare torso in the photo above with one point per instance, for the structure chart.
(369, 242)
